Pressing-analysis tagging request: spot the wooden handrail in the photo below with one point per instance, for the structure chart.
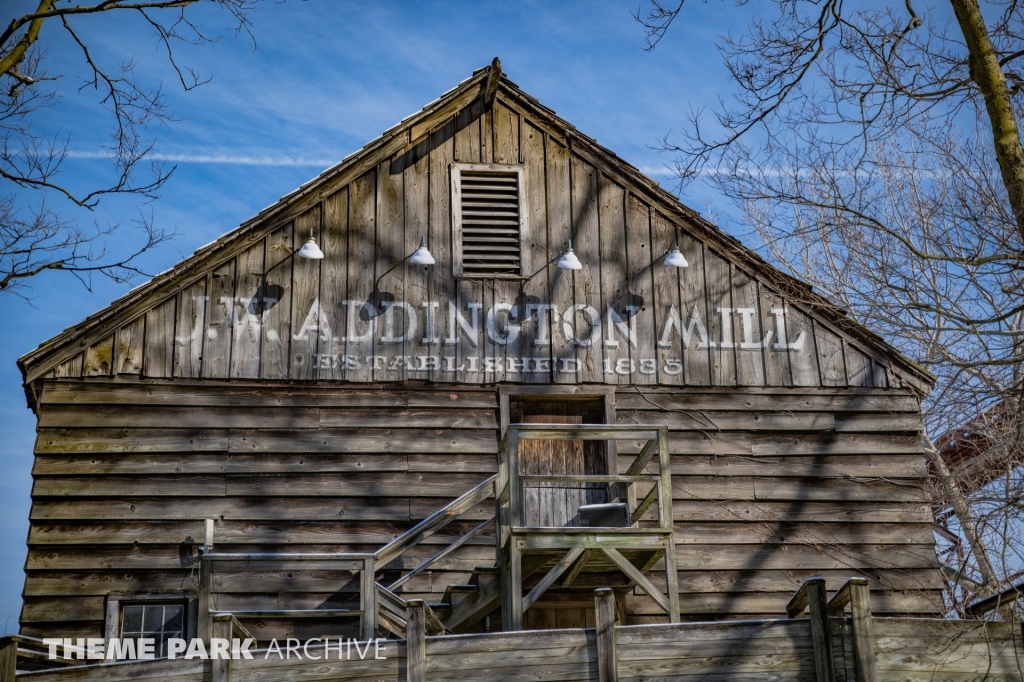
(440, 555)
(433, 523)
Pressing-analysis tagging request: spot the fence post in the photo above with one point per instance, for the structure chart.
(416, 641)
(604, 606)
(8, 659)
(203, 617)
(863, 637)
(221, 667)
(821, 638)
(368, 588)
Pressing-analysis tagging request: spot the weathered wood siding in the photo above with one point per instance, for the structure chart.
(364, 314)
(770, 486)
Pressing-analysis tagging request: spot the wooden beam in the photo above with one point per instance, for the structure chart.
(821, 638)
(493, 78)
(574, 572)
(604, 607)
(221, 629)
(863, 637)
(548, 580)
(368, 592)
(636, 576)
(8, 659)
(416, 641)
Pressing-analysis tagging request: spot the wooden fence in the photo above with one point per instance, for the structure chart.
(782, 650)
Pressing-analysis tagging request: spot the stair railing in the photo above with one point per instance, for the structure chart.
(379, 604)
(431, 525)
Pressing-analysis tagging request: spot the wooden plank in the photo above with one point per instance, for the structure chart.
(334, 285)
(697, 420)
(618, 307)
(247, 315)
(830, 466)
(90, 416)
(736, 557)
(190, 334)
(219, 332)
(561, 289)
(764, 400)
(310, 323)
(831, 362)
(395, 334)
(70, 369)
(583, 319)
(159, 356)
(810, 489)
(187, 506)
(99, 358)
(130, 340)
(859, 368)
(209, 393)
(362, 313)
(276, 287)
(416, 211)
(748, 332)
(803, 353)
(506, 134)
(669, 354)
(607, 664)
(721, 319)
(535, 337)
(776, 351)
(440, 287)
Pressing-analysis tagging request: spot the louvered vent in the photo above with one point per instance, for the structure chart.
(490, 224)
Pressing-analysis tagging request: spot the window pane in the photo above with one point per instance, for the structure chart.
(153, 618)
(172, 619)
(132, 619)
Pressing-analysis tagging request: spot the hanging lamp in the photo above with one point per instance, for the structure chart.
(421, 256)
(569, 261)
(675, 258)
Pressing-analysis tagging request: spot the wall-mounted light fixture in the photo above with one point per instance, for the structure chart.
(569, 261)
(421, 256)
(675, 258)
(310, 250)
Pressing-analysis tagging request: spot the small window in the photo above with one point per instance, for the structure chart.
(158, 622)
(490, 228)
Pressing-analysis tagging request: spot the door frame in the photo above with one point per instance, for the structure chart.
(564, 391)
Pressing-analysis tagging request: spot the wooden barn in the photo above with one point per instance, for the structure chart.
(483, 363)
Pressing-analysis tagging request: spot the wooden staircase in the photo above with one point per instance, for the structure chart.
(606, 553)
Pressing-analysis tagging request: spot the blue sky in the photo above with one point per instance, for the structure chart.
(326, 78)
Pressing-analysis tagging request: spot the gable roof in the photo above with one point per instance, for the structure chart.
(489, 83)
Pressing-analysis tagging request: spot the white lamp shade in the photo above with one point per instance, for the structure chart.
(569, 261)
(675, 259)
(311, 250)
(421, 256)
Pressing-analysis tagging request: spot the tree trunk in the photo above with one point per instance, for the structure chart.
(963, 513)
(988, 75)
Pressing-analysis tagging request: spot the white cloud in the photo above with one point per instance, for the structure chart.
(229, 157)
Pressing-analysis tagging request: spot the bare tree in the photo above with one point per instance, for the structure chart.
(39, 225)
(876, 153)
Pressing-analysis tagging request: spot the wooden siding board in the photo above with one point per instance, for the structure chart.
(391, 343)
(535, 341)
(99, 358)
(721, 319)
(310, 322)
(159, 356)
(585, 322)
(220, 329)
(247, 314)
(130, 339)
(749, 335)
(334, 285)
(561, 286)
(616, 301)
(361, 310)
(440, 287)
(277, 288)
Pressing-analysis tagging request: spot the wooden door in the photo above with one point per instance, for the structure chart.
(548, 505)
